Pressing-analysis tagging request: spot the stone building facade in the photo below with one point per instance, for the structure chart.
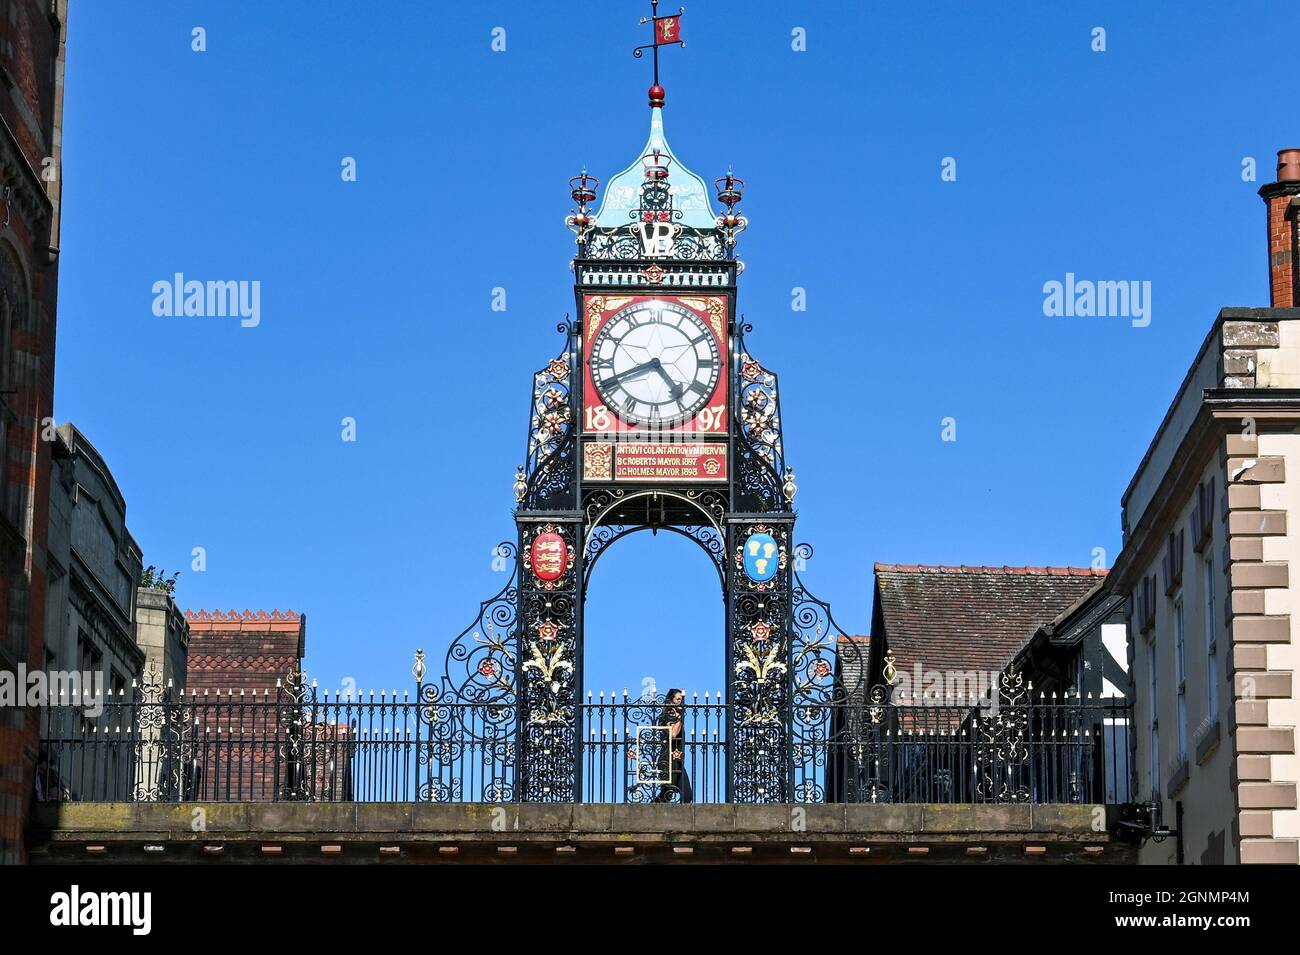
(94, 566)
(163, 635)
(32, 47)
(1211, 526)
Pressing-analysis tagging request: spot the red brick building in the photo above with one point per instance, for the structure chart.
(238, 659)
(249, 651)
(32, 45)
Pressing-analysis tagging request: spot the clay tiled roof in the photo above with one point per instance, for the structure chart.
(258, 620)
(971, 618)
(247, 650)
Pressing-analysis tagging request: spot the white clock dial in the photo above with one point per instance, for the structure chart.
(655, 363)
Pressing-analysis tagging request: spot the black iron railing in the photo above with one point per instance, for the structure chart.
(1044, 749)
(293, 744)
(631, 754)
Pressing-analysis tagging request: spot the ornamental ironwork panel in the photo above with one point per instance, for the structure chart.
(758, 617)
(621, 505)
(1002, 743)
(707, 536)
(549, 642)
(467, 751)
(163, 744)
(828, 675)
(468, 717)
(626, 243)
(548, 479)
(764, 482)
(480, 665)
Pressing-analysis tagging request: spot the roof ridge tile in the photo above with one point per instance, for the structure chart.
(1024, 571)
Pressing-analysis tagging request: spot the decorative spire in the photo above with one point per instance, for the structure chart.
(656, 208)
(666, 31)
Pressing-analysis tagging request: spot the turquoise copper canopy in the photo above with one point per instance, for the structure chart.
(689, 193)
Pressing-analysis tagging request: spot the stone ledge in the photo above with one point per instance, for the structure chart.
(1244, 575)
(1257, 334)
(1265, 740)
(1269, 852)
(1243, 497)
(404, 833)
(397, 823)
(1238, 361)
(1261, 523)
(1262, 685)
(1266, 469)
(1266, 795)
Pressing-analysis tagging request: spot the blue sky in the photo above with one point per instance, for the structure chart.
(924, 297)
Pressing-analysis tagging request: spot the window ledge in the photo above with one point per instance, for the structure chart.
(1178, 780)
(1208, 743)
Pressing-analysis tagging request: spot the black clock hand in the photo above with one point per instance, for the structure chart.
(634, 371)
(674, 389)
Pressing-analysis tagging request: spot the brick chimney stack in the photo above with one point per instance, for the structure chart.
(234, 651)
(1283, 200)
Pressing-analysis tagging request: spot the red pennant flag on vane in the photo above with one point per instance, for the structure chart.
(668, 30)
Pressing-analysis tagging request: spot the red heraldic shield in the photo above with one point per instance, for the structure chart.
(550, 555)
(668, 30)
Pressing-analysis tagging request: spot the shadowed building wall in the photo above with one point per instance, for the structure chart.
(32, 37)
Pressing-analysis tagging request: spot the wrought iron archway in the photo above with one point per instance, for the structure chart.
(521, 659)
(709, 535)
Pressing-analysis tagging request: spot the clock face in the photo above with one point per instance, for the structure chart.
(655, 363)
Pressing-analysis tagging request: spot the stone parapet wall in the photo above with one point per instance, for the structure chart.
(368, 832)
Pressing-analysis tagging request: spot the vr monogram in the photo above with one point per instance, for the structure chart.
(658, 238)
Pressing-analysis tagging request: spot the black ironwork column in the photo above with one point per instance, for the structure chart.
(549, 655)
(759, 635)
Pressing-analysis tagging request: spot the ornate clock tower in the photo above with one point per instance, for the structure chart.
(653, 416)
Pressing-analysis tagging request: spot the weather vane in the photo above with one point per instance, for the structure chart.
(667, 32)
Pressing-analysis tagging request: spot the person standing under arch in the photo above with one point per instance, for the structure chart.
(672, 762)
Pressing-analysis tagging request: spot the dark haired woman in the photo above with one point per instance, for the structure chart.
(672, 762)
